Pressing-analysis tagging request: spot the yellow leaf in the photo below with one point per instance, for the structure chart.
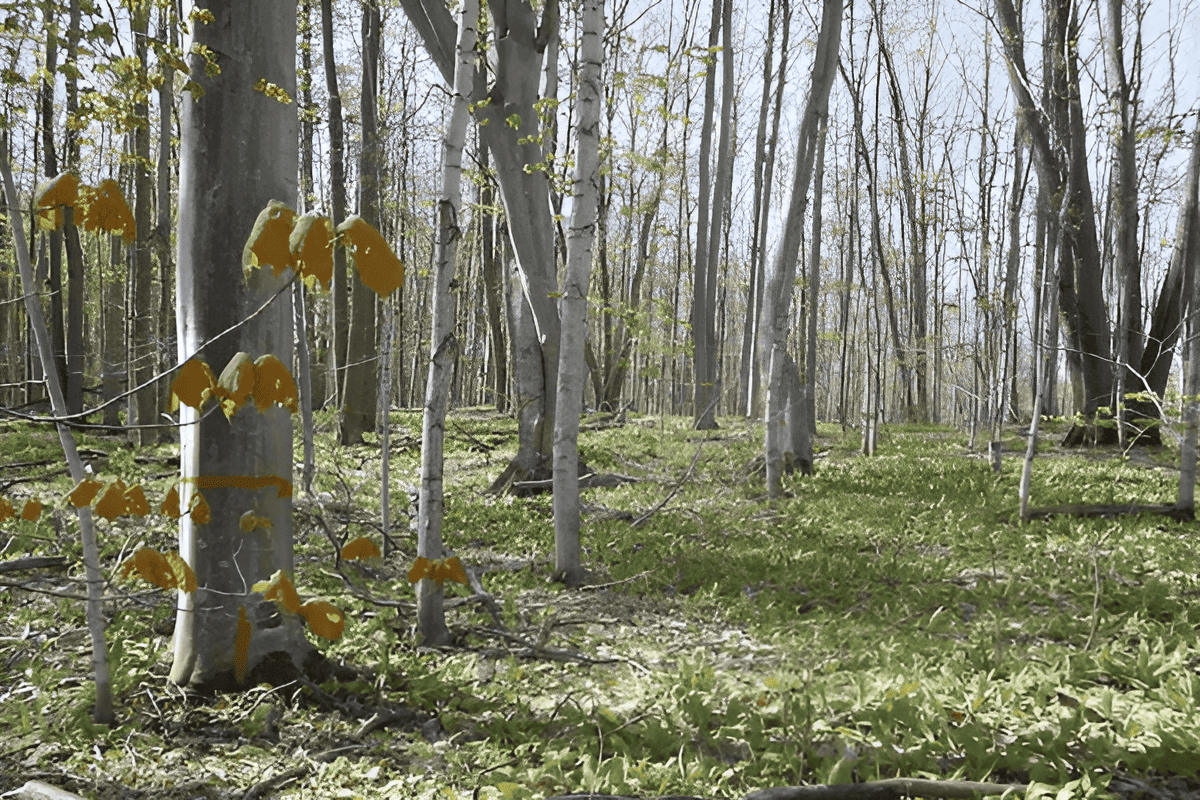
(439, 571)
(185, 578)
(7, 511)
(107, 211)
(249, 521)
(377, 265)
(193, 385)
(362, 547)
(268, 242)
(32, 510)
(280, 590)
(283, 487)
(200, 512)
(241, 645)
(61, 191)
(84, 492)
(151, 566)
(236, 384)
(450, 569)
(421, 568)
(273, 383)
(112, 503)
(135, 501)
(324, 619)
(311, 244)
(170, 504)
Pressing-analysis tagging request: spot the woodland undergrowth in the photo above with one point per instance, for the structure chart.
(890, 618)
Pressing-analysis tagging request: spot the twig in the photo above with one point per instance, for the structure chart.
(890, 789)
(630, 579)
(637, 523)
(272, 783)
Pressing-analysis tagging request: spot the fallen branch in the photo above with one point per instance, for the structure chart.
(890, 789)
(32, 562)
(637, 523)
(592, 480)
(1111, 510)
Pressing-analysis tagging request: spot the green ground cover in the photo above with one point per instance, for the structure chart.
(888, 619)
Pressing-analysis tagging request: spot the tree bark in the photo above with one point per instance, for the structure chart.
(443, 345)
(572, 371)
(360, 387)
(143, 349)
(239, 150)
(781, 277)
(337, 200)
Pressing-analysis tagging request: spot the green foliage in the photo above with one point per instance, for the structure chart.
(889, 619)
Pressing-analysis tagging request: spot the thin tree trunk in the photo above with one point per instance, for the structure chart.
(340, 323)
(443, 345)
(781, 278)
(572, 371)
(144, 352)
(102, 713)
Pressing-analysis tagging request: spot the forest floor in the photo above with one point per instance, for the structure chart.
(888, 619)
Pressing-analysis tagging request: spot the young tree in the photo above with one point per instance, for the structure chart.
(572, 371)
(360, 388)
(443, 345)
(782, 275)
(239, 150)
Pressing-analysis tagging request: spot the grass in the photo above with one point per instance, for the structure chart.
(887, 619)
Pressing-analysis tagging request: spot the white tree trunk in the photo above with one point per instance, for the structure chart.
(239, 150)
(103, 711)
(782, 274)
(430, 613)
(572, 371)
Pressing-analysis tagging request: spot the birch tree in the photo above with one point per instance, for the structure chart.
(572, 371)
(443, 345)
(781, 276)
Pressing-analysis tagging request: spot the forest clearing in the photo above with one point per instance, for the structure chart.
(890, 618)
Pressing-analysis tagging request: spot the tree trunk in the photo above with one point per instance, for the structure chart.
(167, 349)
(239, 150)
(360, 387)
(572, 371)
(337, 192)
(781, 277)
(144, 351)
(493, 291)
(443, 345)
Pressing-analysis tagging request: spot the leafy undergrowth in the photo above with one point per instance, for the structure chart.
(888, 619)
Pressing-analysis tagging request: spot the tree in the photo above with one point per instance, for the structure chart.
(443, 345)
(510, 127)
(239, 150)
(782, 275)
(359, 385)
(572, 372)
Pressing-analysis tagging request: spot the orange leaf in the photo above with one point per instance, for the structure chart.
(61, 191)
(450, 569)
(151, 566)
(112, 503)
(249, 521)
(283, 487)
(108, 211)
(268, 242)
(185, 578)
(135, 501)
(193, 385)
(236, 384)
(241, 646)
(84, 492)
(7, 511)
(362, 547)
(421, 568)
(311, 244)
(273, 383)
(324, 619)
(170, 504)
(280, 590)
(32, 510)
(200, 512)
(377, 265)
(439, 571)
